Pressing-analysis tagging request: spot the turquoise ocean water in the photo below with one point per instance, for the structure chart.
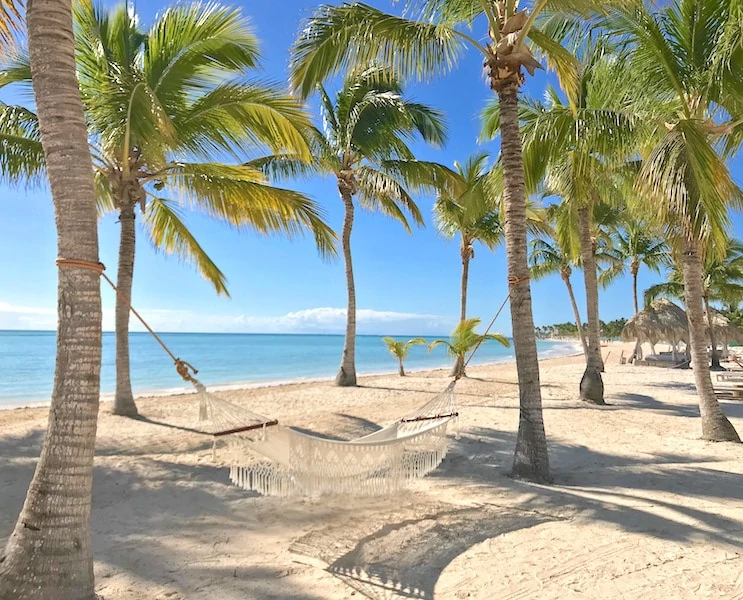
(27, 360)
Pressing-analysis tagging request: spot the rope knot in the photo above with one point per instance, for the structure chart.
(182, 367)
(514, 280)
(98, 267)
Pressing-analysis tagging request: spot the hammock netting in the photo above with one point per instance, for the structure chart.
(276, 460)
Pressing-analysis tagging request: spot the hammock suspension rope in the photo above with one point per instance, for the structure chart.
(277, 460)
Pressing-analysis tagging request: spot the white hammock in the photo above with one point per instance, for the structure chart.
(275, 460)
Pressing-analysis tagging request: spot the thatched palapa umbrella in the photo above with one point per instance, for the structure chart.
(724, 330)
(662, 321)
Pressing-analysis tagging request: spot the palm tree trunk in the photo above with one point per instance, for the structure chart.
(716, 366)
(715, 425)
(531, 460)
(402, 370)
(347, 373)
(124, 400)
(634, 268)
(465, 278)
(576, 312)
(591, 385)
(48, 556)
(459, 364)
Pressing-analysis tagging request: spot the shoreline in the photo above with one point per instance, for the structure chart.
(238, 386)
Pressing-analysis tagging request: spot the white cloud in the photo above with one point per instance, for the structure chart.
(311, 320)
(26, 317)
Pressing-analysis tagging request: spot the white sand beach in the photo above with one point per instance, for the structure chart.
(641, 507)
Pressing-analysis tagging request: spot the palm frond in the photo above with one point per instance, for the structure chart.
(240, 196)
(689, 183)
(11, 22)
(669, 289)
(437, 343)
(277, 167)
(16, 70)
(396, 347)
(420, 175)
(375, 120)
(22, 159)
(428, 122)
(337, 37)
(380, 191)
(653, 52)
(609, 275)
(490, 120)
(565, 65)
(546, 257)
(170, 234)
(191, 45)
(234, 116)
(104, 200)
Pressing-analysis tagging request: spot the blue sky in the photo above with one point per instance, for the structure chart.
(405, 284)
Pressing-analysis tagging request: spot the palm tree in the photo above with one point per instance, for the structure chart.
(463, 340)
(574, 145)
(352, 34)
(48, 556)
(687, 59)
(162, 105)
(468, 210)
(635, 244)
(365, 147)
(722, 282)
(548, 257)
(734, 312)
(400, 349)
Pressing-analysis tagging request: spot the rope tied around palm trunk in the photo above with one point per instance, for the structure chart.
(514, 280)
(183, 368)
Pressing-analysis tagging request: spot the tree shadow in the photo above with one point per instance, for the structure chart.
(674, 385)
(18, 457)
(731, 408)
(22, 446)
(181, 529)
(642, 401)
(593, 483)
(150, 421)
(363, 425)
(458, 391)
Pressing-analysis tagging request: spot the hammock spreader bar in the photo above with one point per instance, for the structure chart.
(246, 428)
(431, 418)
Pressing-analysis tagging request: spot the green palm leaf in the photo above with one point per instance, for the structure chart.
(692, 182)
(282, 166)
(231, 116)
(168, 232)
(21, 155)
(190, 44)
(464, 339)
(378, 191)
(356, 34)
(239, 196)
